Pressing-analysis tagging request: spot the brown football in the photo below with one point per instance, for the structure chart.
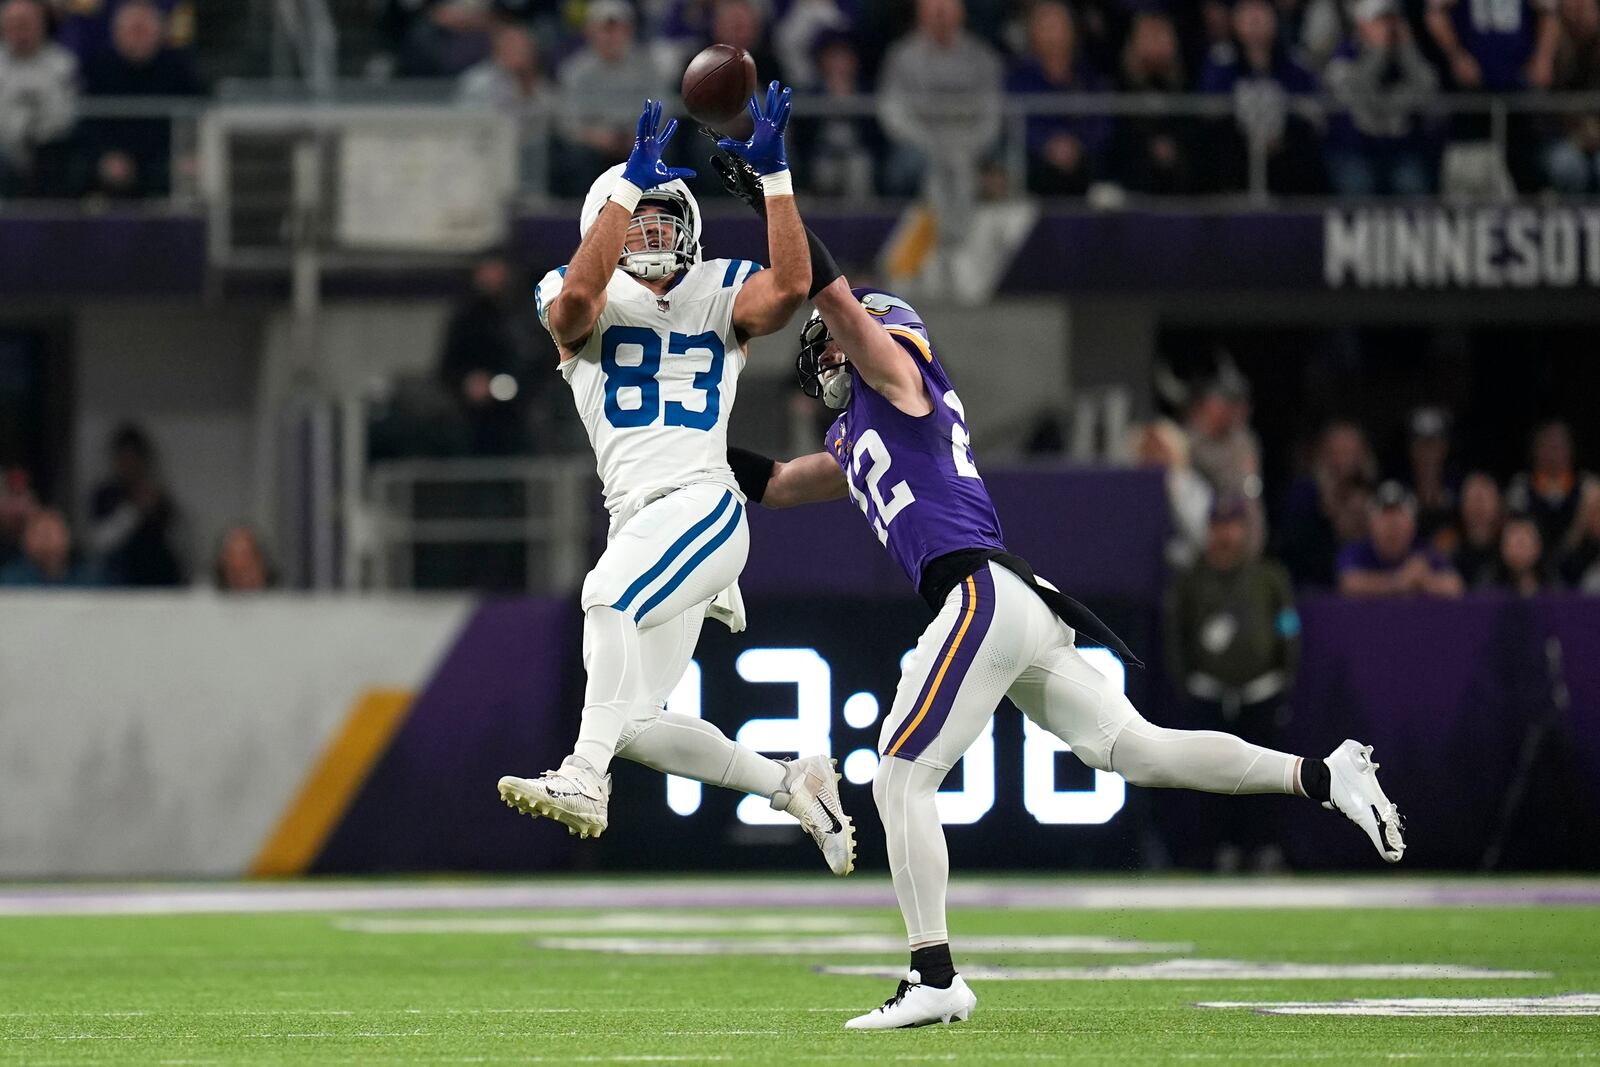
(717, 85)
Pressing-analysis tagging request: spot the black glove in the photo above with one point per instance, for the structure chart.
(740, 179)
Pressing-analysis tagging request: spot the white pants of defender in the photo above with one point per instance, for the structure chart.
(993, 638)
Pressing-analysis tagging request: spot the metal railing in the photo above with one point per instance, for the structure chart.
(543, 507)
(542, 143)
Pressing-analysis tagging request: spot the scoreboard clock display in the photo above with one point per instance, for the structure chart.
(810, 677)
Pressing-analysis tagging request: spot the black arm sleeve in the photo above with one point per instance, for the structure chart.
(823, 268)
(752, 471)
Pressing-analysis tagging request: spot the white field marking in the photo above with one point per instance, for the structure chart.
(1567, 1004)
(653, 922)
(822, 946)
(1207, 970)
(319, 1036)
(1062, 893)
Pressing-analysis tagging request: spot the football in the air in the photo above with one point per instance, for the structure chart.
(717, 85)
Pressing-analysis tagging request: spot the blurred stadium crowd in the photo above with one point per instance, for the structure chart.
(1425, 527)
(1335, 96)
(1422, 527)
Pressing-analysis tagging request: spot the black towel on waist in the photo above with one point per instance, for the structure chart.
(942, 573)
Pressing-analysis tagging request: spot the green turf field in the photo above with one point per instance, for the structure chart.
(383, 982)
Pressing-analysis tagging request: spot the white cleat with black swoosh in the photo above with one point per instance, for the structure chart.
(574, 796)
(915, 1004)
(1356, 795)
(810, 793)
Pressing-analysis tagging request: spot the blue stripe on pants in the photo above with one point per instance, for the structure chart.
(670, 556)
(694, 561)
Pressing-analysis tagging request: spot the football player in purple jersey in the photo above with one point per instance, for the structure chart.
(901, 451)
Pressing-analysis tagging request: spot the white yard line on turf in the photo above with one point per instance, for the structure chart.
(649, 922)
(609, 895)
(1571, 1004)
(1187, 970)
(887, 944)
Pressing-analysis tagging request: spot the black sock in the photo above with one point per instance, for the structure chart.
(1316, 779)
(932, 963)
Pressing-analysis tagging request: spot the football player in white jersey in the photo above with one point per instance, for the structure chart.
(652, 340)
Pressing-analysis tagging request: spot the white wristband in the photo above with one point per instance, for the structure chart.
(778, 184)
(626, 194)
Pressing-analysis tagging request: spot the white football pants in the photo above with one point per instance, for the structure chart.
(644, 603)
(995, 638)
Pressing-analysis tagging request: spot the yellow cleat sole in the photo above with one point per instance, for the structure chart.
(577, 825)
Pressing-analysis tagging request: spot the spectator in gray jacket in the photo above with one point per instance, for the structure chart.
(602, 89)
(38, 100)
(512, 82)
(939, 102)
(1378, 145)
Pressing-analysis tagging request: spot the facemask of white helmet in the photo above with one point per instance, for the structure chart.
(665, 243)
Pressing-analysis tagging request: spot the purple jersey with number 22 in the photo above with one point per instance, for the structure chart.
(913, 477)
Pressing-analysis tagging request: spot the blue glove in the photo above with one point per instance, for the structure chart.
(644, 168)
(764, 149)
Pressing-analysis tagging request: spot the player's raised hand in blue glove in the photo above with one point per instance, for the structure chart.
(644, 168)
(764, 150)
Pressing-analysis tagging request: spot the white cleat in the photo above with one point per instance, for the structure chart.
(915, 1004)
(574, 796)
(810, 793)
(1355, 793)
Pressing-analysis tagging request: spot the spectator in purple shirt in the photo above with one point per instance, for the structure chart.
(1523, 566)
(840, 151)
(133, 157)
(1262, 77)
(1501, 45)
(85, 26)
(1154, 153)
(1496, 46)
(1063, 150)
(1390, 562)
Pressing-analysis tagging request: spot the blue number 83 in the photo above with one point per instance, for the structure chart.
(641, 376)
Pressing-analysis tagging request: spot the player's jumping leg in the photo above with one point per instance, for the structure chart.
(692, 748)
(674, 553)
(1066, 695)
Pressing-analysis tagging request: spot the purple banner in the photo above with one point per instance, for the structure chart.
(102, 254)
(1453, 695)
(1547, 247)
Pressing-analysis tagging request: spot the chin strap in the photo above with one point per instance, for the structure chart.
(836, 390)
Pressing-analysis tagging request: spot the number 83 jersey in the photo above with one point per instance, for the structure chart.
(655, 381)
(914, 477)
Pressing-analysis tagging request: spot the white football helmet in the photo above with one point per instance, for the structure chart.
(682, 251)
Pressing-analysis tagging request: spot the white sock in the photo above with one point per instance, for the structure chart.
(616, 686)
(693, 748)
(1206, 760)
(914, 838)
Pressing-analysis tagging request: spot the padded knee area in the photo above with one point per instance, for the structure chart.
(898, 780)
